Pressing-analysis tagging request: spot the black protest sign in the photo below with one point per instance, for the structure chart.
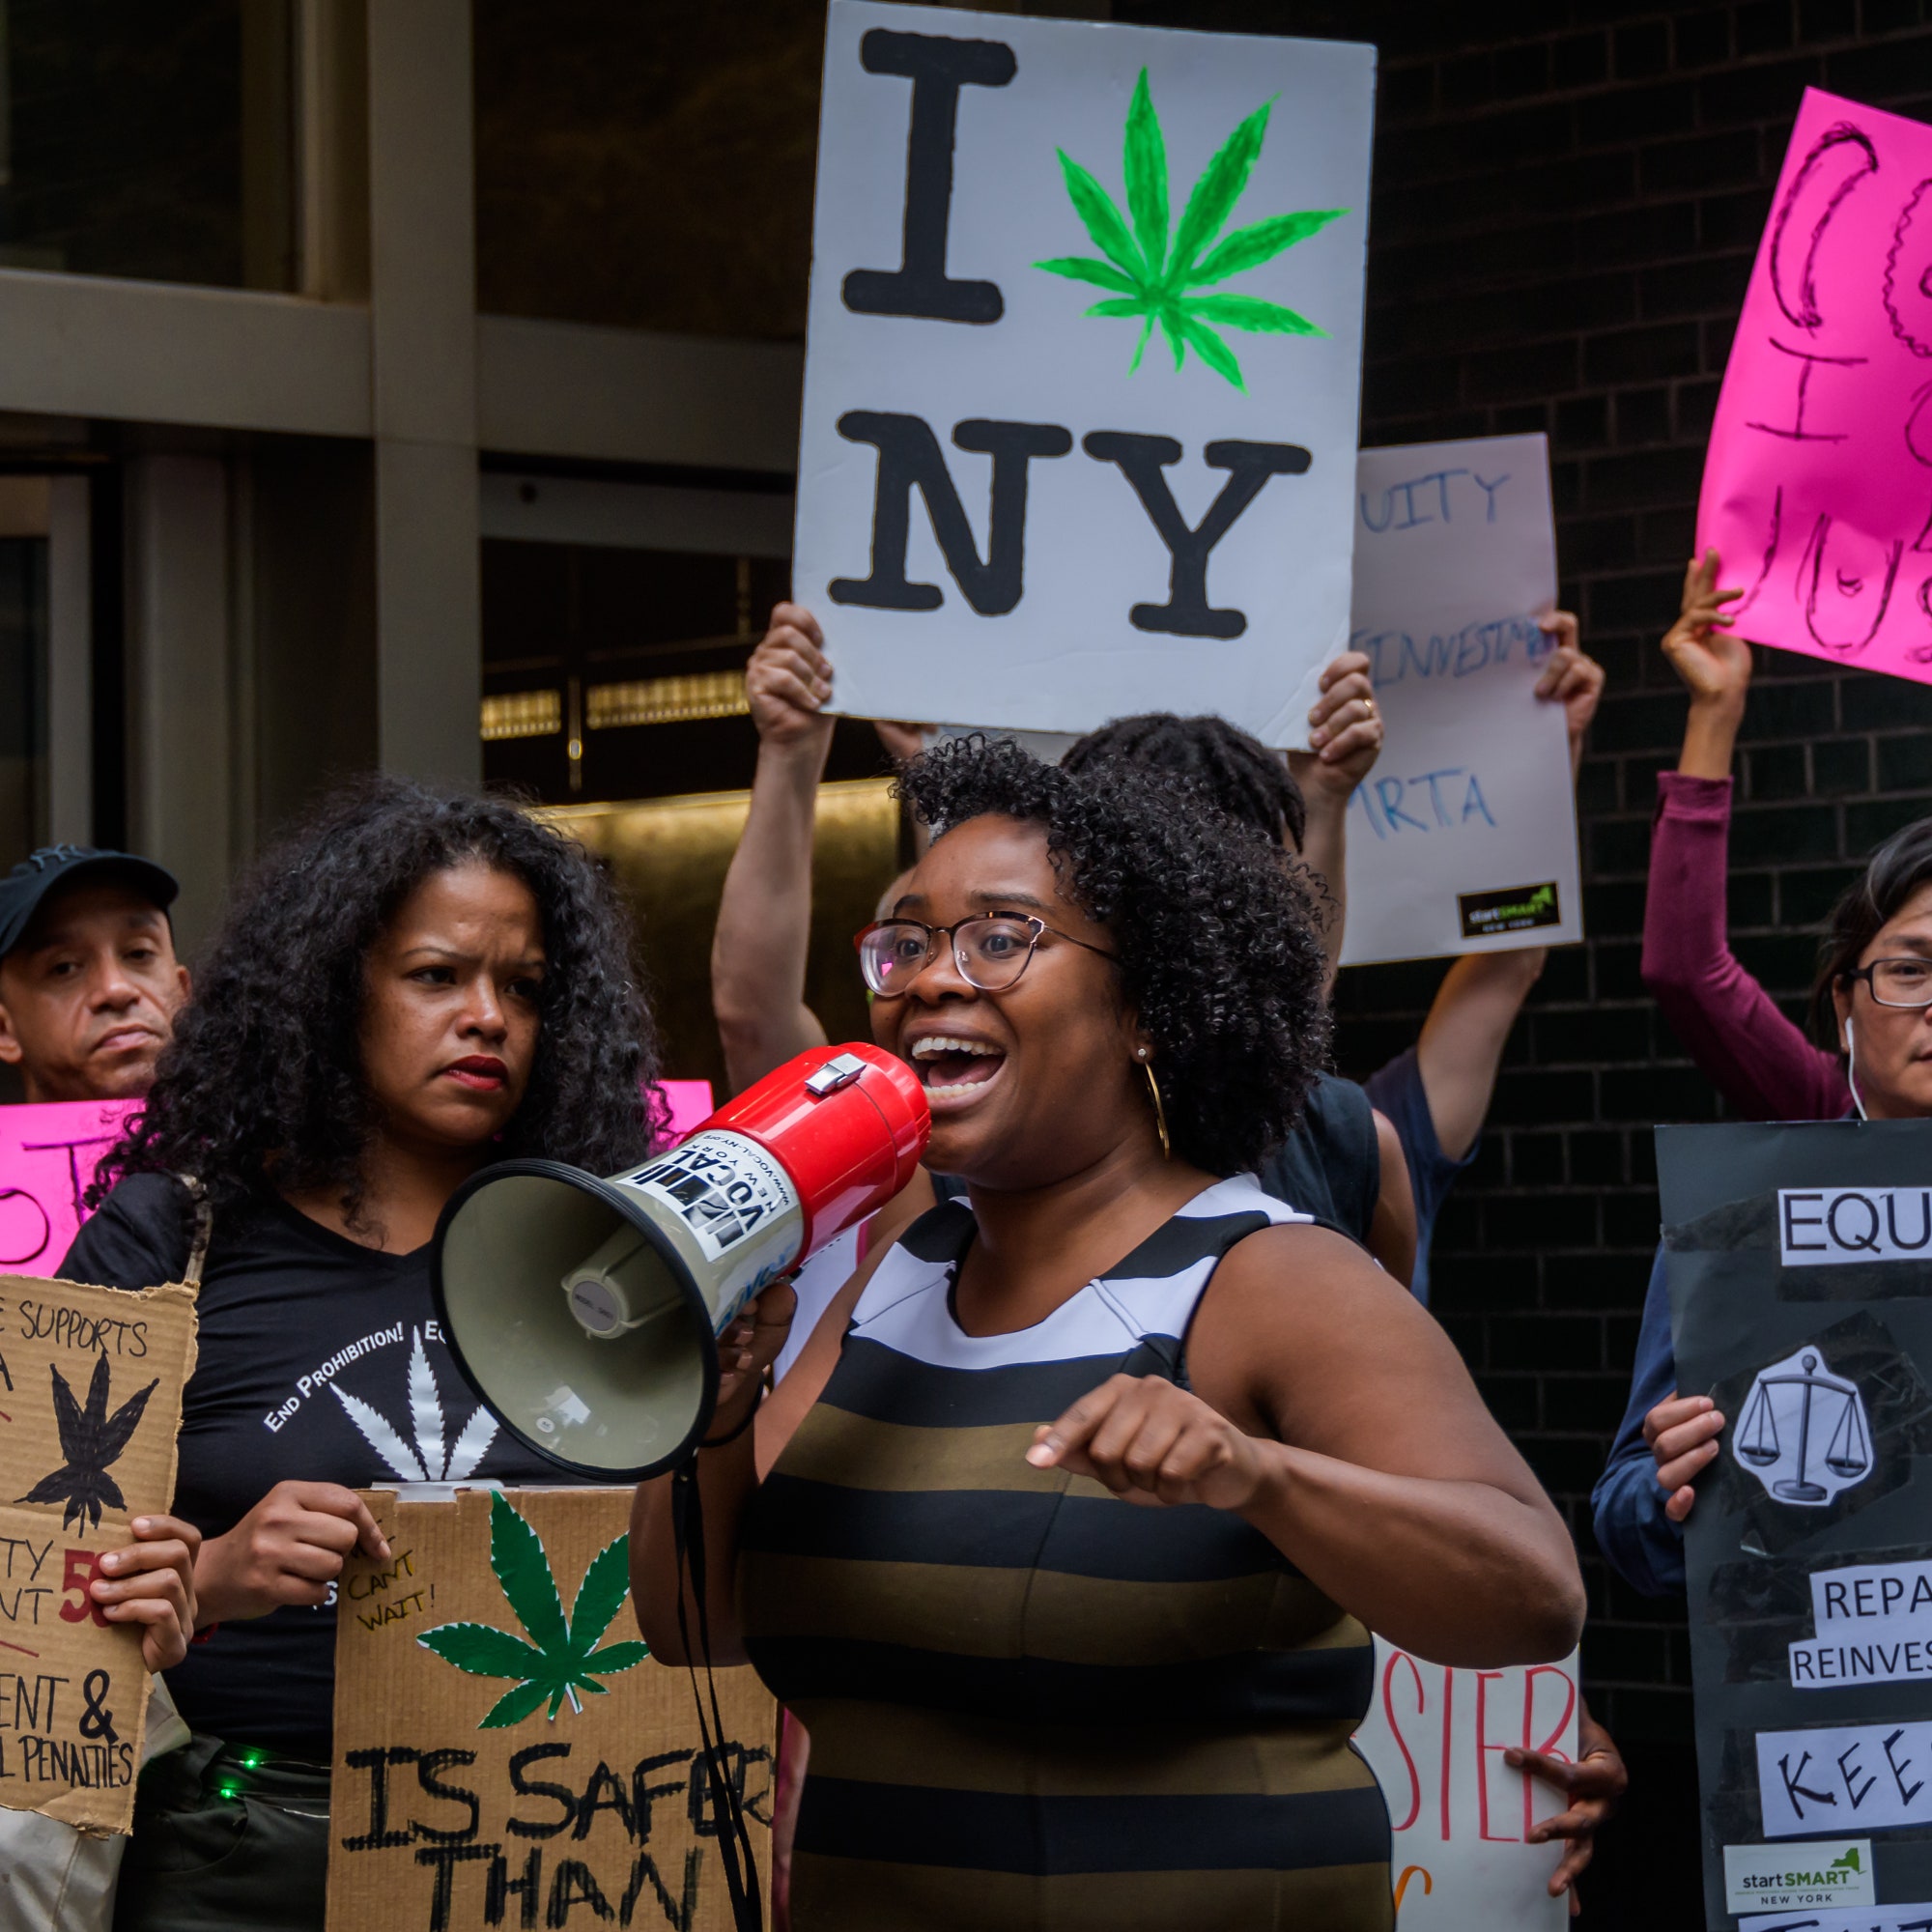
(1800, 1264)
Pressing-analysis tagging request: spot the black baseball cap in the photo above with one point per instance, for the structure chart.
(23, 888)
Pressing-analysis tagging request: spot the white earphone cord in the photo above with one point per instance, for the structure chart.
(1852, 1071)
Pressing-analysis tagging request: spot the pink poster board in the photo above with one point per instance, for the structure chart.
(48, 1154)
(47, 1158)
(690, 1104)
(1818, 484)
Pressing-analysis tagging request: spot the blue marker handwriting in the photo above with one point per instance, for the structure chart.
(1394, 655)
(1430, 801)
(1430, 500)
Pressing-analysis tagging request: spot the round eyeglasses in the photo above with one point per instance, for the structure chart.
(990, 949)
(1897, 983)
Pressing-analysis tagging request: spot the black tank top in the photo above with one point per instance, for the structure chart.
(1330, 1165)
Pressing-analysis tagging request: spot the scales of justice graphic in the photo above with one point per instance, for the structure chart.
(1805, 1434)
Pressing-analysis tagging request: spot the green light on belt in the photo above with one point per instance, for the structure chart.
(229, 1789)
(251, 1759)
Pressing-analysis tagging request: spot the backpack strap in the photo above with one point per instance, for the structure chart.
(204, 1227)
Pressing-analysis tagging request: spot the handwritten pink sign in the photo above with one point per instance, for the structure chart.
(1818, 483)
(690, 1104)
(48, 1154)
(47, 1158)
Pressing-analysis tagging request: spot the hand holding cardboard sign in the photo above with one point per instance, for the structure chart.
(152, 1582)
(288, 1549)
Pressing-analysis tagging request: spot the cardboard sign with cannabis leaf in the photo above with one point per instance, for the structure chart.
(91, 1383)
(1006, 516)
(566, 1657)
(549, 1775)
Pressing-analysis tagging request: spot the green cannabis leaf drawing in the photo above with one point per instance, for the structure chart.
(565, 1657)
(1148, 279)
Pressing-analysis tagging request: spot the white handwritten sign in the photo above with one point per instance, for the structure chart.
(1434, 1738)
(1842, 1918)
(1084, 355)
(1464, 837)
(1873, 1625)
(1817, 1226)
(1867, 1777)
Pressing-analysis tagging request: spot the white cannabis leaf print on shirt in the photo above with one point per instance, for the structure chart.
(424, 1461)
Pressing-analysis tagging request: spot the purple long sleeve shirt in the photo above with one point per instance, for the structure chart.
(1729, 1025)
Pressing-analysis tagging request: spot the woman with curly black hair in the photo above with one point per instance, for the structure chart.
(1030, 1704)
(412, 985)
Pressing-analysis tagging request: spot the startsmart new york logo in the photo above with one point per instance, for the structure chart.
(1510, 910)
(1779, 1878)
(1842, 1874)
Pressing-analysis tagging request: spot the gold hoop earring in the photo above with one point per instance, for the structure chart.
(1160, 1112)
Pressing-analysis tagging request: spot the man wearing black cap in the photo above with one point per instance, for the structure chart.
(89, 982)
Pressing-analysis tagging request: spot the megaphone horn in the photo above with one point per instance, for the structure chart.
(585, 1313)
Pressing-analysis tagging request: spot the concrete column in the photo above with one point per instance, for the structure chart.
(422, 293)
(70, 662)
(180, 711)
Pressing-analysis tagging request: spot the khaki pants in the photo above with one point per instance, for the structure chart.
(55, 1879)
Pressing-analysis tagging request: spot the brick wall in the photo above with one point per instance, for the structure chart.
(1567, 199)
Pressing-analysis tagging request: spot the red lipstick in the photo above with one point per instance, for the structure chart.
(480, 1072)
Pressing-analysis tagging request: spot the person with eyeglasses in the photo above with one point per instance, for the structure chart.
(1871, 998)
(1345, 1161)
(1070, 1569)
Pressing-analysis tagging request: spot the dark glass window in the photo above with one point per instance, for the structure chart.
(619, 673)
(648, 165)
(125, 147)
(23, 696)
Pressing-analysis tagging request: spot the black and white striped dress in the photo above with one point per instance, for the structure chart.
(1034, 1706)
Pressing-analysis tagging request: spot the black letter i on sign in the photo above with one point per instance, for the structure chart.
(938, 69)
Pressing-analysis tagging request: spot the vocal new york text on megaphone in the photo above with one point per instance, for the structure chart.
(586, 1311)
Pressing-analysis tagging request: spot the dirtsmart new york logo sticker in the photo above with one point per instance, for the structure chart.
(1160, 284)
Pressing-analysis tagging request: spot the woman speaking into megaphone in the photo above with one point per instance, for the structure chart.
(1071, 1571)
